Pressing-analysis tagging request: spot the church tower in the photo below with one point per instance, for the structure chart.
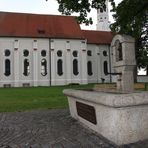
(103, 18)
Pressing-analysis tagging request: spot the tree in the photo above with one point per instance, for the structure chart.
(131, 17)
(82, 8)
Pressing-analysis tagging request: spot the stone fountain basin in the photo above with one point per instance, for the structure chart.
(112, 99)
(120, 117)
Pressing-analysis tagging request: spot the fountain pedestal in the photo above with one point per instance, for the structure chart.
(121, 118)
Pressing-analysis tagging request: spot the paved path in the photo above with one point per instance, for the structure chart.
(49, 129)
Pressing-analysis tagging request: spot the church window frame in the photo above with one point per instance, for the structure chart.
(26, 67)
(44, 67)
(89, 68)
(7, 67)
(105, 66)
(75, 67)
(60, 67)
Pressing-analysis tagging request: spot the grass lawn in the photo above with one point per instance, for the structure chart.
(21, 99)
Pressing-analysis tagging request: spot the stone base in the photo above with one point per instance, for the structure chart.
(121, 118)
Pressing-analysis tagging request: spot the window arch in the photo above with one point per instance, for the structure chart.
(43, 67)
(7, 67)
(26, 67)
(89, 68)
(75, 67)
(105, 67)
(60, 67)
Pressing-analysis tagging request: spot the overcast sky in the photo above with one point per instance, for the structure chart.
(41, 7)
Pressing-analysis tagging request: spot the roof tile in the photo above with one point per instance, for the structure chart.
(36, 25)
(98, 37)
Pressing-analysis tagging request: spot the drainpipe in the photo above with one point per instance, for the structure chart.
(49, 63)
(110, 63)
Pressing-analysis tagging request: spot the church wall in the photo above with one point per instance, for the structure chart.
(28, 51)
(99, 55)
(66, 51)
(51, 62)
(4, 78)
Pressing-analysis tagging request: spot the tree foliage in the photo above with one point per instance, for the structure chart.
(82, 8)
(131, 17)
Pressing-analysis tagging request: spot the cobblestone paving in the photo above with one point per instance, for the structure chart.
(50, 129)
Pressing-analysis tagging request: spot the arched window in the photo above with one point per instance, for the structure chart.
(7, 67)
(43, 67)
(60, 67)
(105, 67)
(89, 68)
(26, 67)
(75, 67)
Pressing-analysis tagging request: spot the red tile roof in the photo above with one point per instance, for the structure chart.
(98, 37)
(35, 25)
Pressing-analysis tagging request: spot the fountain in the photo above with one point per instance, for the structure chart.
(121, 115)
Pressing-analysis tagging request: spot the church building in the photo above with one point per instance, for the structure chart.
(48, 50)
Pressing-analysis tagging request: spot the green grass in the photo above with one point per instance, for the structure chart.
(21, 99)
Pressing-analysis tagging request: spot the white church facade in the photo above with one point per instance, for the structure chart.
(48, 50)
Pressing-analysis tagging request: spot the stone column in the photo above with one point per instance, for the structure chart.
(124, 61)
(16, 63)
(35, 63)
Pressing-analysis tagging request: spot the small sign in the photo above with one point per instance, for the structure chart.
(87, 112)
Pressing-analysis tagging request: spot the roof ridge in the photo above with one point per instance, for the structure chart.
(26, 13)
